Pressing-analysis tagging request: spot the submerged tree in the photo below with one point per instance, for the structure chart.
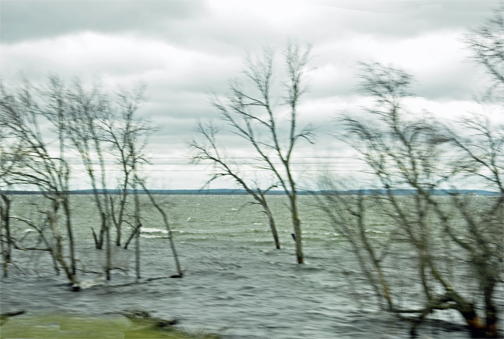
(180, 273)
(126, 137)
(78, 118)
(21, 111)
(81, 122)
(486, 44)
(97, 125)
(5, 239)
(409, 152)
(9, 155)
(207, 150)
(40, 127)
(256, 118)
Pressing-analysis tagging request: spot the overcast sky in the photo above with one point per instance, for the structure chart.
(184, 50)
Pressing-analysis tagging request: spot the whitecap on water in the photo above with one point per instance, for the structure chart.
(89, 283)
(150, 236)
(153, 230)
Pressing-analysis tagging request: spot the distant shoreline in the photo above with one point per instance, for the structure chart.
(277, 192)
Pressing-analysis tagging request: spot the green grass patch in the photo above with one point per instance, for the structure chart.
(90, 327)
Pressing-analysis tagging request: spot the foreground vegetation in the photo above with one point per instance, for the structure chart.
(131, 324)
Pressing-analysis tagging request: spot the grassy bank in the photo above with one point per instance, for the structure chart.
(120, 326)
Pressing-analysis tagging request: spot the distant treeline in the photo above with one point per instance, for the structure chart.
(243, 192)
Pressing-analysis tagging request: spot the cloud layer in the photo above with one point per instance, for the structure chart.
(186, 50)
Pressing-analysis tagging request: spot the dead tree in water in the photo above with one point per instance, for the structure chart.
(5, 216)
(481, 158)
(207, 150)
(126, 137)
(10, 154)
(97, 124)
(130, 139)
(84, 111)
(254, 118)
(168, 229)
(21, 111)
(404, 151)
(76, 112)
(138, 225)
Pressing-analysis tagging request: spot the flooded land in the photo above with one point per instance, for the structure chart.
(235, 282)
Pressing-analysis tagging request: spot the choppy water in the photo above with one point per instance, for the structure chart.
(235, 281)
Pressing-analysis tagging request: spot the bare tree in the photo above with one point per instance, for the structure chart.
(96, 124)
(41, 227)
(9, 154)
(207, 150)
(77, 114)
(138, 225)
(180, 273)
(81, 119)
(404, 151)
(5, 240)
(255, 118)
(21, 111)
(481, 159)
(126, 137)
(83, 112)
(486, 43)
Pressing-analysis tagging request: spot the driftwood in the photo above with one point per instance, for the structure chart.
(4, 317)
(143, 320)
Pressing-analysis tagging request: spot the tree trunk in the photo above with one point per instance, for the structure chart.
(297, 229)
(5, 216)
(121, 209)
(295, 217)
(475, 326)
(299, 249)
(118, 235)
(108, 256)
(4, 256)
(272, 226)
(168, 228)
(175, 256)
(100, 238)
(137, 255)
(474, 323)
(70, 237)
(490, 311)
(137, 220)
(57, 252)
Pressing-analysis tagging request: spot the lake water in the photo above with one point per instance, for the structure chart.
(235, 282)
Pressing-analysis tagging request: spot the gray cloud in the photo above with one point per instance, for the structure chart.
(186, 49)
(374, 6)
(29, 20)
(382, 6)
(398, 19)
